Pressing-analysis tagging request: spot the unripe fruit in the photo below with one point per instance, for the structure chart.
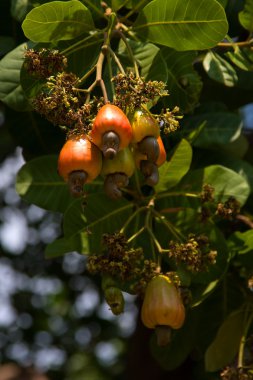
(115, 299)
(79, 162)
(111, 130)
(162, 305)
(117, 171)
(146, 130)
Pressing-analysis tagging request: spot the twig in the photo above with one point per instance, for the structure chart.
(232, 44)
(245, 219)
(114, 56)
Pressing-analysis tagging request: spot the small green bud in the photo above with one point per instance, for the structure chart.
(115, 300)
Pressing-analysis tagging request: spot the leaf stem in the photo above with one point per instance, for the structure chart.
(136, 235)
(71, 48)
(86, 75)
(134, 9)
(130, 53)
(244, 337)
(173, 230)
(129, 32)
(109, 63)
(94, 7)
(129, 220)
(177, 193)
(148, 221)
(233, 44)
(116, 59)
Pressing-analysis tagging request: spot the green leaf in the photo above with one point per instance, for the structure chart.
(226, 183)
(11, 92)
(201, 293)
(219, 69)
(223, 2)
(246, 242)
(241, 247)
(117, 4)
(246, 16)
(239, 166)
(149, 58)
(172, 172)
(62, 246)
(95, 7)
(184, 83)
(57, 20)
(38, 183)
(225, 346)
(100, 215)
(20, 8)
(220, 128)
(183, 25)
(242, 58)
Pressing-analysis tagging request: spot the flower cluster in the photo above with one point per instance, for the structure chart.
(229, 209)
(195, 253)
(122, 263)
(44, 63)
(207, 194)
(169, 120)
(232, 373)
(207, 202)
(61, 103)
(132, 92)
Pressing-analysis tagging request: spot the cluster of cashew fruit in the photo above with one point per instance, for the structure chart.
(114, 148)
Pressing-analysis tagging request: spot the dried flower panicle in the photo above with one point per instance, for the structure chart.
(250, 283)
(169, 120)
(195, 253)
(45, 62)
(207, 194)
(122, 263)
(62, 104)
(207, 202)
(132, 92)
(229, 209)
(233, 373)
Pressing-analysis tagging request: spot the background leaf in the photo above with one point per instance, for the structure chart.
(38, 183)
(172, 172)
(57, 20)
(220, 128)
(6, 44)
(61, 246)
(100, 215)
(184, 83)
(226, 343)
(219, 69)
(20, 8)
(149, 58)
(11, 92)
(242, 58)
(246, 15)
(226, 183)
(182, 25)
